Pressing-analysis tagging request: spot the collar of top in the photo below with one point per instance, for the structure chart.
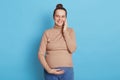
(57, 27)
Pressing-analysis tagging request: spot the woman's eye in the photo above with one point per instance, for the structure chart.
(57, 16)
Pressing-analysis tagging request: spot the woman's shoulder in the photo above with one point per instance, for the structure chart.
(48, 31)
(70, 29)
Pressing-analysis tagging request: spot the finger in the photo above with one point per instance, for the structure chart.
(57, 69)
(60, 72)
(66, 21)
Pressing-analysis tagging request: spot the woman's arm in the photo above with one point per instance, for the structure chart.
(69, 37)
(42, 51)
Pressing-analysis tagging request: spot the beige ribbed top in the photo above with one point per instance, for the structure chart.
(58, 46)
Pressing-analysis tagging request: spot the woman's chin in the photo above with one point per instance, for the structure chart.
(60, 24)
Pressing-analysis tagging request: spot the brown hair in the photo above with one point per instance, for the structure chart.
(59, 6)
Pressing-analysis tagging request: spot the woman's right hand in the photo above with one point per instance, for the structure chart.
(56, 71)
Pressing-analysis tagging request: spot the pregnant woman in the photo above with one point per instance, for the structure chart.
(56, 48)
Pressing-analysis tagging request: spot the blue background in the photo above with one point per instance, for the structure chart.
(96, 24)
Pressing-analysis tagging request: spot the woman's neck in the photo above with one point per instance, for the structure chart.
(57, 27)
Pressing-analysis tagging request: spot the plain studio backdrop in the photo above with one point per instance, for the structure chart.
(96, 24)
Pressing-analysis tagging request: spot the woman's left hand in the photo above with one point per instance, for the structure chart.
(65, 25)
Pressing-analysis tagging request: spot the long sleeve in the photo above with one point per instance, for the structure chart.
(69, 37)
(42, 51)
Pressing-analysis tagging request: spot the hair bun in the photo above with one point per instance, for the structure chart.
(59, 6)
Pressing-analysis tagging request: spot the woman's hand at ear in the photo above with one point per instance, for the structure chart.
(65, 25)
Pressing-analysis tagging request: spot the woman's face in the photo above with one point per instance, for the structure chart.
(59, 17)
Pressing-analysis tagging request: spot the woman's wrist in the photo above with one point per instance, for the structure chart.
(48, 70)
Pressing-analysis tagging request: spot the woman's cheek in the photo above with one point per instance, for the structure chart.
(64, 20)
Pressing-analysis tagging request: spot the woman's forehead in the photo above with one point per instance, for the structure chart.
(60, 12)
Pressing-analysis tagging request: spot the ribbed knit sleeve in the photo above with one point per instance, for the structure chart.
(69, 37)
(42, 52)
(42, 48)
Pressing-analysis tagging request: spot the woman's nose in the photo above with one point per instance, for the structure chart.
(60, 18)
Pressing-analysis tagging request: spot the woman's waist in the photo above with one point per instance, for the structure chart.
(64, 51)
